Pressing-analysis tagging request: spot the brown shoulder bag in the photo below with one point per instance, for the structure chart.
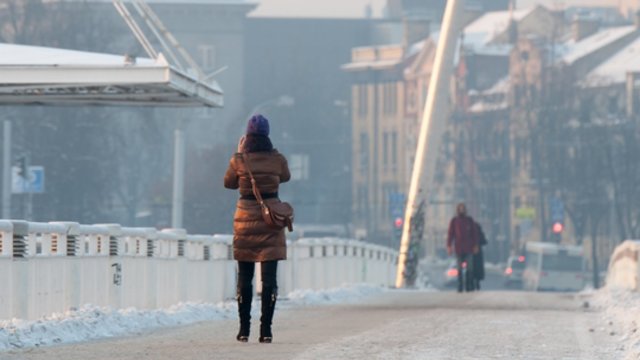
(277, 215)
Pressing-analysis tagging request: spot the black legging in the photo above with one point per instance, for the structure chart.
(268, 271)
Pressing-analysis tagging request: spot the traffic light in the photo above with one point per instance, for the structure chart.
(557, 227)
(397, 228)
(22, 167)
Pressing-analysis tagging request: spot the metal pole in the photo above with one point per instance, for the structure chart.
(27, 189)
(6, 171)
(432, 126)
(178, 178)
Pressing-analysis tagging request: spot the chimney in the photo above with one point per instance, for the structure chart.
(584, 27)
(416, 28)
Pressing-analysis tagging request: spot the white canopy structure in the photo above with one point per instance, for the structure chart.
(31, 75)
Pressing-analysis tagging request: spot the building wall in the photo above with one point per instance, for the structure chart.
(379, 169)
(629, 7)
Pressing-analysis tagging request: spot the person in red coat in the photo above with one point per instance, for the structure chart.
(463, 239)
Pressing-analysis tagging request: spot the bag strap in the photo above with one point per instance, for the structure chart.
(254, 187)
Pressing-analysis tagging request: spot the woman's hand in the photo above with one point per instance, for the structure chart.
(241, 143)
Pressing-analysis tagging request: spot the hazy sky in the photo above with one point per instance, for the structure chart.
(318, 8)
(561, 3)
(356, 8)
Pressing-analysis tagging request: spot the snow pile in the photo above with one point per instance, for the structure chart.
(92, 322)
(346, 294)
(621, 309)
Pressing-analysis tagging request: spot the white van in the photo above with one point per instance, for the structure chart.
(553, 267)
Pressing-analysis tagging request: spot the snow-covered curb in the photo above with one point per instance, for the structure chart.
(91, 322)
(621, 309)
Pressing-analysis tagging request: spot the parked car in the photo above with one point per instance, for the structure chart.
(514, 270)
(553, 267)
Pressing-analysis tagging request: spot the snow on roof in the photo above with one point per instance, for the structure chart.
(615, 69)
(500, 87)
(484, 30)
(487, 106)
(372, 65)
(35, 55)
(573, 51)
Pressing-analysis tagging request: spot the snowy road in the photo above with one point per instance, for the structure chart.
(391, 325)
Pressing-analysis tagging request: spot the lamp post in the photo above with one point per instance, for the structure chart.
(177, 208)
(6, 171)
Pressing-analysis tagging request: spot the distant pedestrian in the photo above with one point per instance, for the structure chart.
(253, 240)
(463, 239)
(478, 258)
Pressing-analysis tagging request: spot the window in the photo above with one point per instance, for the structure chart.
(362, 100)
(362, 202)
(385, 150)
(394, 149)
(299, 166)
(364, 153)
(207, 57)
(561, 262)
(390, 98)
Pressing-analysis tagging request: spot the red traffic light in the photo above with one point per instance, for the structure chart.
(398, 222)
(557, 228)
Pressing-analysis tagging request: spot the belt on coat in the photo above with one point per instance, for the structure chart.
(264, 196)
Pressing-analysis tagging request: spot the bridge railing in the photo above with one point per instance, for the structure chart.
(53, 267)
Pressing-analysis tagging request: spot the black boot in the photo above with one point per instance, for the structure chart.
(244, 311)
(269, 295)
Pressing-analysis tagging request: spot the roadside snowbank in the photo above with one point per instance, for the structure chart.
(91, 322)
(621, 309)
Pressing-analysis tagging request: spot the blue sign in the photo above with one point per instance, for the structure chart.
(397, 202)
(556, 209)
(33, 183)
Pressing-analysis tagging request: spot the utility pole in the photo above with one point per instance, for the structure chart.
(6, 170)
(431, 129)
(177, 208)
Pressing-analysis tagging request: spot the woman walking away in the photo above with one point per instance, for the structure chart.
(253, 240)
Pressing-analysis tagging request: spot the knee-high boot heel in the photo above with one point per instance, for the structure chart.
(269, 296)
(244, 297)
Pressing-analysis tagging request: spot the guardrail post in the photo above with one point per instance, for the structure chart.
(6, 238)
(20, 271)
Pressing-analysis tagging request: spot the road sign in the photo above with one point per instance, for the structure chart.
(556, 209)
(33, 183)
(397, 202)
(526, 213)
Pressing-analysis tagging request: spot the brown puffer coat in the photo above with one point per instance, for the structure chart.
(253, 240)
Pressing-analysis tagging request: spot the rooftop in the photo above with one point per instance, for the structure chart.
(615, 69)
(481, 34)
(573, 51)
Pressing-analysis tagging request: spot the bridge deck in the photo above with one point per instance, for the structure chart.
(394, 325)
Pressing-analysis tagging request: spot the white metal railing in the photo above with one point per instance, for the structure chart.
(53, 267)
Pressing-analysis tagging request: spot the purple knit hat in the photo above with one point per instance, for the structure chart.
(258, 125)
